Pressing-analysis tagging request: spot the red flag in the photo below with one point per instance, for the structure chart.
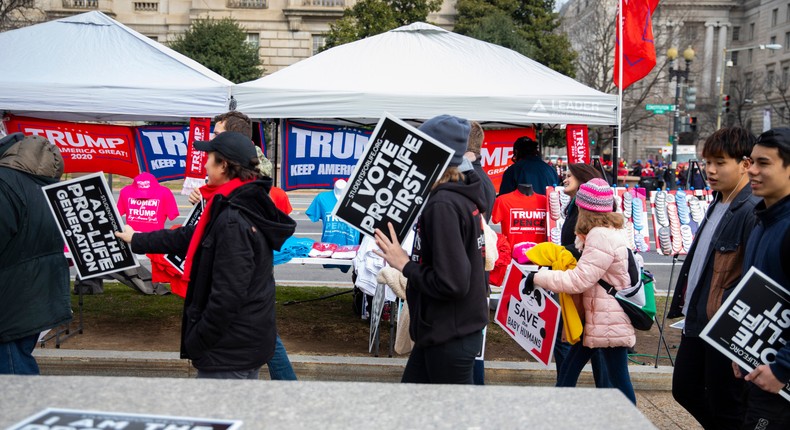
(639, 51)
(578, 150)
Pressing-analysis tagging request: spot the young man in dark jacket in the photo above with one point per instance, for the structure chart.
(228, 328)
(446, 289)
(34, 273)
(769, 250)
(702, 382)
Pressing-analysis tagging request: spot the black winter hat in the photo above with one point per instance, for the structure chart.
(451, 131)
(233, 146)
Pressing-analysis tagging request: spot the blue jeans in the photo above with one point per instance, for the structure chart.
(16, 357)
(280, 368)
(229, 374)
(615, 360)
(561, 350)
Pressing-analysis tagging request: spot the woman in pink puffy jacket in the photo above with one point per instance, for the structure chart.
(602, 240)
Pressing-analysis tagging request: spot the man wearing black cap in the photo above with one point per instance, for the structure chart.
(768, 249)
(228, 328)
(528, 168)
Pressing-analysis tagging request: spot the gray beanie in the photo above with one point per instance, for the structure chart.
(451, 131)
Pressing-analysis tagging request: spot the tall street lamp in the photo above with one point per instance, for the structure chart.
(725, 63)
(672, 54)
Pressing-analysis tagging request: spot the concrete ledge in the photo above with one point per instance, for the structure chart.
(318, 368)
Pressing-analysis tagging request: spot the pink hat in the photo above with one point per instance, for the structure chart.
(595, 196)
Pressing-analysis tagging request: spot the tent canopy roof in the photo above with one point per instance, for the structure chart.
(91, 67)
(419, 71)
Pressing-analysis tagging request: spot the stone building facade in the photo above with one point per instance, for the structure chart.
(285, 30)
(755, 78)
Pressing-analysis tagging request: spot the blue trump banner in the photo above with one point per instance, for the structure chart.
(316, 155)
(163, 150)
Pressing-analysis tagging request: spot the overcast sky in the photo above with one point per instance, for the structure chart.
(558, 4)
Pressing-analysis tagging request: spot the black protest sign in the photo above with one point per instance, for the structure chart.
(53, 418)
(88, 219)
(177, 260)
(392, 179)
(752, 325)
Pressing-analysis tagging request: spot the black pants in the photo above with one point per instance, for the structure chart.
(704, 384)
(764, 410)
(451, 362)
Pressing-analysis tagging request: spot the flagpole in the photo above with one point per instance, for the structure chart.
(620, 86)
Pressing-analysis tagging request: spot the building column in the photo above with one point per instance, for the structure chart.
(707, 64)
(720, 50)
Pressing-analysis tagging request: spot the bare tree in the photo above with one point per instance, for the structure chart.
(777, 94)
(19, 13)
(744, 87)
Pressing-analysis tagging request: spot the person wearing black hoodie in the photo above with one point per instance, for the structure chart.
(34, 273)
(228, 328)
(446, 290)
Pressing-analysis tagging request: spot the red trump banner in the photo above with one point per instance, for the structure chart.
(85, 148)
(195, 173)
(578, 149)
(497, 151)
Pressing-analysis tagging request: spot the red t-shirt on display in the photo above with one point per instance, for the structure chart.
(281, 200)
(522, 217)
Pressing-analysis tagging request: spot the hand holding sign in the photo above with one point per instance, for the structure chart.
(391, 250)
(126, 234)
(764, 378)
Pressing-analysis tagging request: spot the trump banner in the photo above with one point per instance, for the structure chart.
(316, 155)
(393, 178)
(578, 148)
(753, 324)
(163, 150)
(497, 151)
(88, 219)
(531, 320)
(85, 148)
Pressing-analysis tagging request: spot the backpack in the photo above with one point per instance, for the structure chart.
(638, 300)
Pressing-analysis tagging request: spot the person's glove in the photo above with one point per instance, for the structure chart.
(529, 284)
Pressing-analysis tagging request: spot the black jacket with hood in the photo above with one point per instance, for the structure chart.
(228, 321)
(34, 272)
(447, 289)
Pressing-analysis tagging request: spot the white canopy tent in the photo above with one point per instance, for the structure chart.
(89, 67)
(419, 71)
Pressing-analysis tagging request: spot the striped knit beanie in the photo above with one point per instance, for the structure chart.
(595, 196)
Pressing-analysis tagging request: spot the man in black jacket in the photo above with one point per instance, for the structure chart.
(228, 328)
(703, 382)
(34, 273)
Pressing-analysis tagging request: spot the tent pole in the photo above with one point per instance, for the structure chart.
(276, 139)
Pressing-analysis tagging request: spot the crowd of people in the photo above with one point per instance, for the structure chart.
(229, 329)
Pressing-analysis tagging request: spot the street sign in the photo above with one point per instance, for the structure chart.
(660, 109)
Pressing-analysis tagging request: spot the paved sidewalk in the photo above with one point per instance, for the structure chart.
(653, 386)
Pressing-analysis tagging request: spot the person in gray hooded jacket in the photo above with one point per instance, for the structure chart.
(34, 291)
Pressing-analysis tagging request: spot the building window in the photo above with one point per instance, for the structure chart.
(254, 39)
(331, 3)
(785, 76)
(734, 58)
(319, 41)
(787, 41)
(736, 34)
(751, 31)
(774, 16)
(773, 42)
(769, 81)
(787, 14)
(81, 4)
(782, 112)
(146, 6)
(248, 4)
(749, 56)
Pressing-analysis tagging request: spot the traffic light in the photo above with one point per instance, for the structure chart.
(693, 124)
(691, 98)
(725, 103)
(592, 142)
